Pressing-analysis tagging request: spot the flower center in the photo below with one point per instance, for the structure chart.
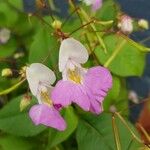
(74, 76)
(45, 97)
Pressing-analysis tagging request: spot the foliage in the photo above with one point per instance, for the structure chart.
(33, 39)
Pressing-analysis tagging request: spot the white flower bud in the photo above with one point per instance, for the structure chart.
(4, 35)
(7, 72)
(56, 24)
(26, 100)
(143, 24)
(125, 24)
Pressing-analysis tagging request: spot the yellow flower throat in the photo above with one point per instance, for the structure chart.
(74, 76)
(45, 98)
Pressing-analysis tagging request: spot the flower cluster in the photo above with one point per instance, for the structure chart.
(84, 87)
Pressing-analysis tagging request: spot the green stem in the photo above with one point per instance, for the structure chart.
(114, 54)
(82, 13)
(105, 22)
(116, 133)
(127, 126)
(12, 88)
(86, 17)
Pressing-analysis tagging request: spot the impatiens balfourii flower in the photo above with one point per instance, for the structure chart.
(85, 87)
(126, 24)
(96, 4)
(40, 79)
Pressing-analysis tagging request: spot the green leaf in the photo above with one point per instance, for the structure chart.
(108, 11)
(18, 4)
(123, 58)
(44, 49)
(96, 133)
(17, 123)
(9, 13)
(112, 94)
(56, 137)
(15, 143)
(117, 97)
(8, 49)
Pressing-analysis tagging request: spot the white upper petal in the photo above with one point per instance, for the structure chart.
(71, 49)
(38, 73)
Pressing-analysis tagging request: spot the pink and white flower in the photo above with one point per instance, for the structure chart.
(96, 4)
(126, 24)
(40, 79)
(85, 87)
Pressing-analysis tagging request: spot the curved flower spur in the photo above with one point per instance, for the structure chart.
(85, 87)
(40, 79)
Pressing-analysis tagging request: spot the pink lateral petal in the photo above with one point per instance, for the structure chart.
(98, 80)
(95, 102)
(48, 116)
(95, 107)
(67, 92)
(81, 98)
(62, 93)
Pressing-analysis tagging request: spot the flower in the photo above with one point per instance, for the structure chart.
(40, 79)
(4, 35)
(85, 87)
(143, 23)
(126, 24)
(96, 4)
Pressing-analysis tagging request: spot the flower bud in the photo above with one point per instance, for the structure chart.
(113, 109)
(132, 95)
(143, 24)
(7, 72)
(18, 55)
(56, 24)
(23, 71)
(26, 100)
(4, 35)
(125, 24)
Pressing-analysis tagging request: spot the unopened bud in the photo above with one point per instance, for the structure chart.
(57, 24)
(18, 55)
(133, 97)
(125, 24)
(4, 35)
(113, 108)
(7, 72)
(143, 24)
(26, 100)
(23, 71)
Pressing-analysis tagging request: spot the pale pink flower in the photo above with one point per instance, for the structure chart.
(85, 87)
(40, 79)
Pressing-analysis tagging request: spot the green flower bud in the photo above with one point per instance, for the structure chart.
(7, 72)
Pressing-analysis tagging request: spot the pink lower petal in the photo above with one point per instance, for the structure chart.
(48, 116)
(62, 93)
